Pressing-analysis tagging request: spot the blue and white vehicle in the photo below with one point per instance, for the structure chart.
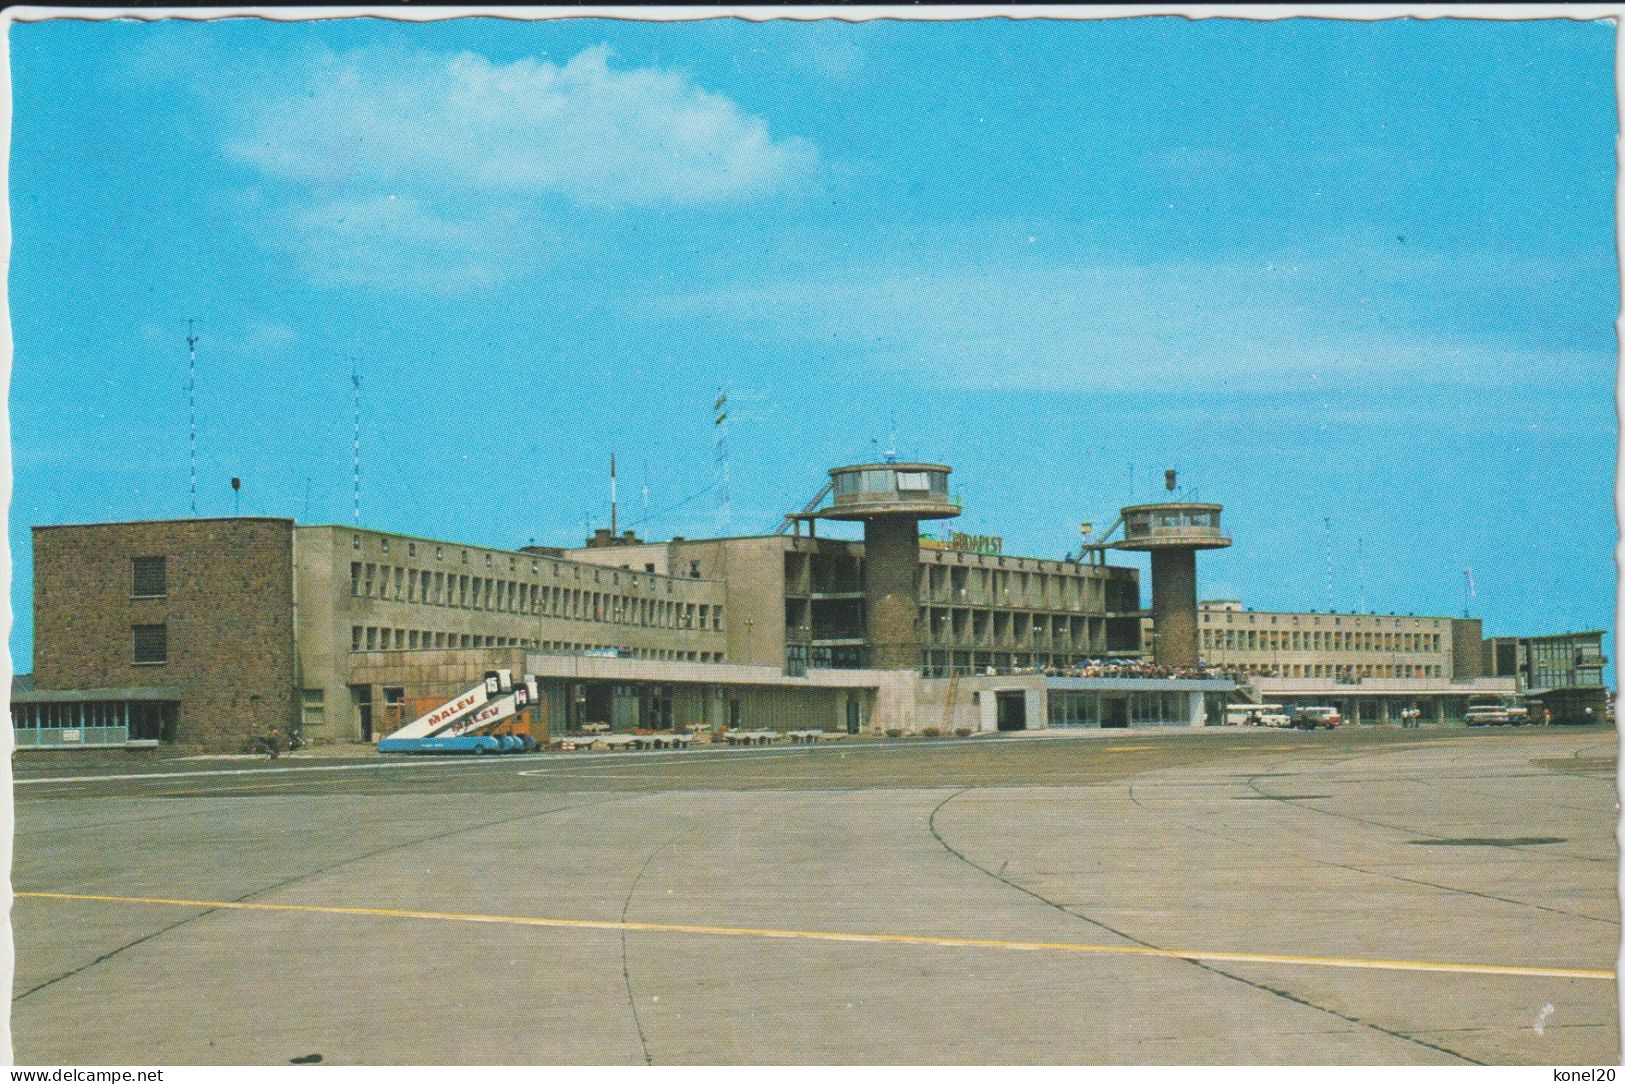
(478, 744)
(459, 724)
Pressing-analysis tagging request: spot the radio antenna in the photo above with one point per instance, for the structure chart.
(191, 408)
(719, 436)
(355, 381)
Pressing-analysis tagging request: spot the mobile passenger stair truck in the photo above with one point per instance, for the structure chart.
(464, 723)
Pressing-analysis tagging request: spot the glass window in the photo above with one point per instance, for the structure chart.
(149, 577)
(913, 481)
(151, 644)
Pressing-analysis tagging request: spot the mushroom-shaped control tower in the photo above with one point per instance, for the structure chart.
(890, 499)
(1172, 532)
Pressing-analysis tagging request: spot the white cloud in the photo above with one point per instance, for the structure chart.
(397, 242)
(582, 131)
(1177, 327)
(451, 173)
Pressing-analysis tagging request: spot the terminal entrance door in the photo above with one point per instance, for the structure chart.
(854, 718)
(1012, 709)
(598, 703)
(361, 697)
(1114, 712)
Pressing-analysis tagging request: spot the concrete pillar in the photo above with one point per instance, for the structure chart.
(1384, 702)
(1438, 710)
(1354, 708)
(891, 554)
(1037, 708)
(1173, 606)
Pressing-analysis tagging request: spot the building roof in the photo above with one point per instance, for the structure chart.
(172, 519)
(65, 696)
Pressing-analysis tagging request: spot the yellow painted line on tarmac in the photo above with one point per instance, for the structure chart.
(1127, 748)
(858, 938)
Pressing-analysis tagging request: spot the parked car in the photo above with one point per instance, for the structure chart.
(1316, 718)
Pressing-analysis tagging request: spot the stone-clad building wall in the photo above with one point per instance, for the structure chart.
(225, 607)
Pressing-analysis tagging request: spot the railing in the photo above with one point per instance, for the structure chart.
(69, 737)
(1177, 532)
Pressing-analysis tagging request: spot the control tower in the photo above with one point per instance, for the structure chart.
(890, 499)
(1172, 532)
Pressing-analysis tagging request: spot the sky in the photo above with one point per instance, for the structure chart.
(1356, 281)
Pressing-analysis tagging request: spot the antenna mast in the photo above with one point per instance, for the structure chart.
(613, 525)
(719, 428)
(1329, 601)
(355, 382)
(191, 407)
(1360, 566)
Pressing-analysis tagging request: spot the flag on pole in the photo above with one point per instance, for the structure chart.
(722, 401)
(1472, 592)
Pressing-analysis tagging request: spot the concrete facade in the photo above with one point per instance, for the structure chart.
(799, 601)
(1331, 645)
(364, 591)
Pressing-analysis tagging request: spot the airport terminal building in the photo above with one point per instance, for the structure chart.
(204, 633)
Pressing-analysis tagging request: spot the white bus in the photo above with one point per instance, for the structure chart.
(1254, 715)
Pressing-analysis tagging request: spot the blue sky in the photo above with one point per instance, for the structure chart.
(1361, 272)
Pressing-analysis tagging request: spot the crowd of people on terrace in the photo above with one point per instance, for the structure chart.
(1138, 668)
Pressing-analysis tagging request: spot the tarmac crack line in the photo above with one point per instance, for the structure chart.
(1201, 962)
(242, 902)
(626, 972)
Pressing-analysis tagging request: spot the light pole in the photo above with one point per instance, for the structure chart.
(749, 627)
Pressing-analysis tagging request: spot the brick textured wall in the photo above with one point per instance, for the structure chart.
(228, 610)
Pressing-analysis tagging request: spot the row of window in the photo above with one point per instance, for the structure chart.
(399, 584)
(1380, 670)
(1036, 589)
(374, 638)
(989, 626)
(891, 481)
(1210, 612)
(72, 715)
(1310, 640)
(1561, 678)
(492, 561)
(1069, 708)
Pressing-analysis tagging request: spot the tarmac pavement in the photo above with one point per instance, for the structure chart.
(1360, 897)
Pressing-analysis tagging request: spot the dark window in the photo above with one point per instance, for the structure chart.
(150, 581)
(151, 644)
